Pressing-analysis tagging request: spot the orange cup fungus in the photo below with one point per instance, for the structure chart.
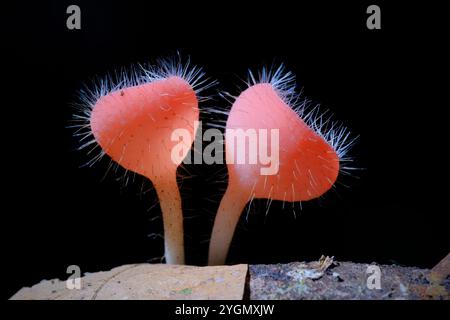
(308, 161)
(133, 124)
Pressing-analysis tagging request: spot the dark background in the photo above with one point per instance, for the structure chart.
(380, 83)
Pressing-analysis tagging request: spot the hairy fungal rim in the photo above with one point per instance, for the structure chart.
(334, 132)
(134, 75)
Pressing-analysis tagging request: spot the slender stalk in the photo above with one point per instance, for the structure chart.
(170, 202)
(228, 214)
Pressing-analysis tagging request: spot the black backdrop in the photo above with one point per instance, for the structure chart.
(379, 83)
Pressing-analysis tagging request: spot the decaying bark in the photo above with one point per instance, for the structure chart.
(323, 279)
(328, 279)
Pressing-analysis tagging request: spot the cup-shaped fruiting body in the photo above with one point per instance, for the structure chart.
(134, 125)
(307, 158)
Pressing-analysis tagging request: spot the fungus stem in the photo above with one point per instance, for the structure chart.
(227, 217)
(170, 202)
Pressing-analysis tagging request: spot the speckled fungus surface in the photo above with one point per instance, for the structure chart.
(309, 153)
(133, 123)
